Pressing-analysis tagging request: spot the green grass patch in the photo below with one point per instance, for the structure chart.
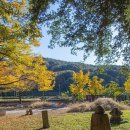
(67, 121)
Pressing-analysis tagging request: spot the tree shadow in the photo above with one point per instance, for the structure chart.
(25, 115)
(122, 122)
(42, 128)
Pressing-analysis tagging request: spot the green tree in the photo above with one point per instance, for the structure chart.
(100, 26)
(113, 90)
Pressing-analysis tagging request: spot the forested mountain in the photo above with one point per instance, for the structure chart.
(58, 65)
(65, 70)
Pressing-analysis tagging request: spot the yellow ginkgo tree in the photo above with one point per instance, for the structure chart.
(20, 69)
(83, 85)
(24, 78)
(78, 88)
(95, 86)
(127, 84)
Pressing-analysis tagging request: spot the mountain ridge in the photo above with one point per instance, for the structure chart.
(65, 69)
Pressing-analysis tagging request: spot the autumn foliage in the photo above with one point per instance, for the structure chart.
(20, 68)
(83, 85)
(127, 84)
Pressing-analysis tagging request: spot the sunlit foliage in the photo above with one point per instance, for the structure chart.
(113, 89)
(100, 26)
(20, 69)
(127, 84)
(83, 85)
(95, 86)
(78, 88)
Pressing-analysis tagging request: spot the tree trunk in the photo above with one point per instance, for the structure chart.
(115, 98)
(20, 97)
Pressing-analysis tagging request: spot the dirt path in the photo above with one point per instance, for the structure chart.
(35, 111)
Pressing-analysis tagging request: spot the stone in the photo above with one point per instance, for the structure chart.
(116, 116)
(100, 120)
(29, 111)
(2, 112)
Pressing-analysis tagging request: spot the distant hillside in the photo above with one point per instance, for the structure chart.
(65, 70)
(58, 65)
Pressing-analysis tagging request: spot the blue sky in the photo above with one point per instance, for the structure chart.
(62, 53)
(59, 53)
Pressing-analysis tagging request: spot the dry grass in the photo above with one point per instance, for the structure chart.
(106, 103)
(36, 104)
(66, 121)
(15, 122)
(41, 104)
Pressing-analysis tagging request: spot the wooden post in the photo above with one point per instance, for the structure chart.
(20, 97)
(45, 119)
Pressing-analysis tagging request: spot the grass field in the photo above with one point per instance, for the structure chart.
(67, 121)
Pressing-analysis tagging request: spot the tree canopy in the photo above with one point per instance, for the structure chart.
(84, 85)
(20, 68)
(113, 89)
(99, 26)
(127, 84)
(78, 88)
(17, 32)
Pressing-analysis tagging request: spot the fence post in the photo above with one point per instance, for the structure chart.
(45, 119)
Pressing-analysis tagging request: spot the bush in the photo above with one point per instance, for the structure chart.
(65, 94)
(126, 102)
